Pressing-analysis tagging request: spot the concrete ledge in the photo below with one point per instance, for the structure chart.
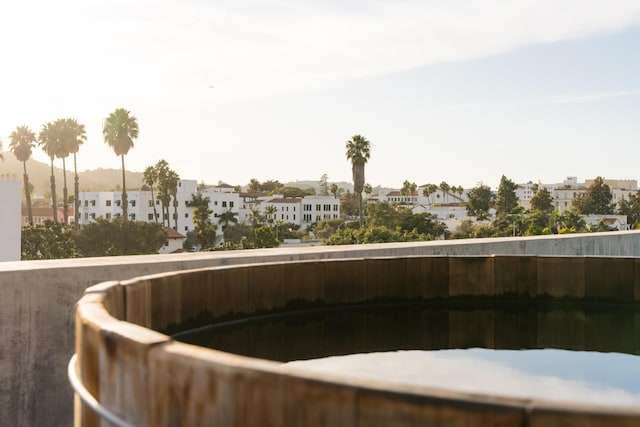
(37, 300)
(150, 380)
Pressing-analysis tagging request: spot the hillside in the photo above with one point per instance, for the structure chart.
(39, 173)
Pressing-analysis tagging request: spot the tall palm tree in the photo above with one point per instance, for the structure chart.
(119, 129)
(358, 152)
(66, 133)
(173, 179)
(22, 142)
(227, 217)
(150, 178)
(48, 141)
(76, 136)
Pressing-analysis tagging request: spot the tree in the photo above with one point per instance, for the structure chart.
(66, 134)
(367, 189)
(205, 229)
(48, 141)
(337, 191)
(49, 240)
(631, 208)
(120, 237)
(290, 191)
(408, 188)
(506, 200)
(226, 218)
(596, 200)
(264, 237)
(542, 201)
(120, 128)
(72, 136)
(358, 152)
(22, 142)
(480, 200)
(174, 179)
(445, 189)
(150, 178)
(324, 185)
(270, 213)
(254, 186)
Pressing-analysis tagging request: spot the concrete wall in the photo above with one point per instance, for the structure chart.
(150, 380)
(10, 218)
(37, 300)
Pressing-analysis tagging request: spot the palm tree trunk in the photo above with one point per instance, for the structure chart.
(76, 194)
(153, 202)
(27, 193)
(360, 201)
(125, 205)
(54, 201)
(65, 193)
(175, 212)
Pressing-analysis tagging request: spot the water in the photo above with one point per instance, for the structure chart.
(562, 352)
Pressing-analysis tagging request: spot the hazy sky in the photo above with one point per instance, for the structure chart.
(455, 90)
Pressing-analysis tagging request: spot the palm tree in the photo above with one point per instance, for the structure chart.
(445, 189)
(359, 152)
(66, 134)
(119, 129)
(22, 142)
(48, 141)
(173, 179)
(76, 137)
(270, 213)
(227, 217)
(149, 178)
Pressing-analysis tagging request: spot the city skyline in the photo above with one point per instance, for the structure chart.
(458, 91)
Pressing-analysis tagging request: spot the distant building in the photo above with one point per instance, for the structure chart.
(41, 214)
(173, 243)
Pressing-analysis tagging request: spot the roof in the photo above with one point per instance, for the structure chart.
(285, 200)
(45, 211)
(173, 234)
(398, 193)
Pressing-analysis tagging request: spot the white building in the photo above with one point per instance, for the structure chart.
(10, 241)
(222, 198)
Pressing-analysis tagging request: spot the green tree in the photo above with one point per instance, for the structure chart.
(264, 237)
(120, 128)
(72, 135)
(49, 240)
(324, 185)
(270, 213)
(254, 186)
(631, 208)
(226, 218)
(66, 137)
(506, 201)
(596, 200)
(542, 201)
(349, 204)
(150, 178)
(571, 221)
(445, 189)
(290, 191)
(358, 152)
(480, 200)
(120, 237)
(23, 140)
(367, 189)
(48, 140)
(174, 179)
(408, 188)
(205, 229)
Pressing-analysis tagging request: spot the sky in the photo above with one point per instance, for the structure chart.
(460, 91)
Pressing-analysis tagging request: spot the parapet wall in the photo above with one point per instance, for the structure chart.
(37, 300)
(150, 380)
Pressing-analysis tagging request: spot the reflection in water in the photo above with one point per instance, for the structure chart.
(559, 375)
(477, 347)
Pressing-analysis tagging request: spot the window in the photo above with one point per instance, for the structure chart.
(186, 229)
(86, 203)
(108, 216)
(132, 203)
(175, 216)
(186, 215)
(317, 207)
(336, 207)
(93, 203)
(108, 203)
(224, 204)
(230, 204)
(215, 203)
(86, 215)
(150, 217)
(133, 217)
(93, 216)
(150, 203)
(326, 207)
(118, 203)
(294, 217)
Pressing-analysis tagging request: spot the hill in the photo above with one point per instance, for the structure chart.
(93, 180)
